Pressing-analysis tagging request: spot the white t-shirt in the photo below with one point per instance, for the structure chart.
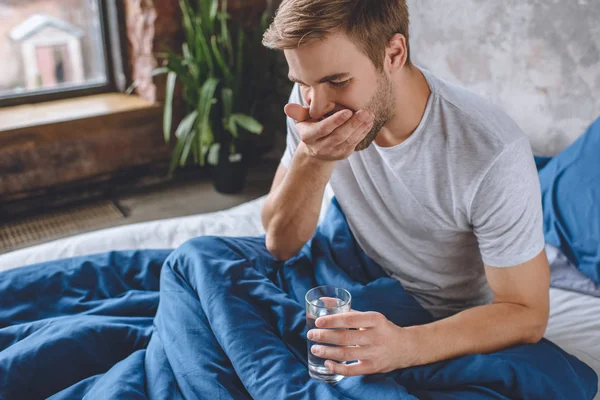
(461, 191)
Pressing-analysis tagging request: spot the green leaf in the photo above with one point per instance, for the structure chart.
(220, 61)
(227, 98)
(232, 127)
(131, 87)
(188, 134)
(186, 124)
(190, 62)
(195, 150)
(204, 8)
(204, 152)
(225, 36)
(248, 123)
(206, 139)
(189, 140)
(207, 136)
(185, 49)
(187, 14)
(199, 51)
(239, 62)
(207, 54)
(176, 156)
(199, 146)
(207, 94)
(175, 63)
(213, 154)
(214, 7)
(160, 71)
(168, 114)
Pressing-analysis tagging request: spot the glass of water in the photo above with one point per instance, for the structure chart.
(321, 301)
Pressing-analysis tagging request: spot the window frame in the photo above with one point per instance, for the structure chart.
(112, 23)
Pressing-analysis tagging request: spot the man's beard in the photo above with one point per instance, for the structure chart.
(382, 104)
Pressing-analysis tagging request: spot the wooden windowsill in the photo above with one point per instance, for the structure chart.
(28, 115)
(47, 147)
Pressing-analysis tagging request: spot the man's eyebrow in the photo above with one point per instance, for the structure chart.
(328, 78)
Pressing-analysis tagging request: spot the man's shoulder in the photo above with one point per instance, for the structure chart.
(475, 115)
(470, 136)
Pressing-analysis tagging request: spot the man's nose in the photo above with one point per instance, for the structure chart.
(320, 106)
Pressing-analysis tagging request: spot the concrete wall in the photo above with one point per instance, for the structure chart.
(538, 59)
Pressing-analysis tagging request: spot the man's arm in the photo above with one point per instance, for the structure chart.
(291, 211)
(518, 315)
(506, 215)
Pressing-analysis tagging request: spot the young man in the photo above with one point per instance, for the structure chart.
(438, 186)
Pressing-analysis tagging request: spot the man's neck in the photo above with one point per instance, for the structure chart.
(412, 93)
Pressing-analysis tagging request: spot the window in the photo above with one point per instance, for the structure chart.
(55, 49)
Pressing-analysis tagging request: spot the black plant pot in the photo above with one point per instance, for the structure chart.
(229, 175)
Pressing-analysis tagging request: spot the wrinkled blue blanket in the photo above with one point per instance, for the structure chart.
(229, 323)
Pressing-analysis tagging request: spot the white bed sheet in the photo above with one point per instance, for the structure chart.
(242, 220)
(574, 318)
(574, 325)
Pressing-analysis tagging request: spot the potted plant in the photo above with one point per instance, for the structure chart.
(220, 90)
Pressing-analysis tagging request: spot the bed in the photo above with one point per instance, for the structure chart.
(574, 324)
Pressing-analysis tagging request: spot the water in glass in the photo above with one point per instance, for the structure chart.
(322, 306)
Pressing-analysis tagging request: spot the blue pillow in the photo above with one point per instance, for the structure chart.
(570, 185)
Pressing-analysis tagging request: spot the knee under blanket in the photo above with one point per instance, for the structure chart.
(228, 323)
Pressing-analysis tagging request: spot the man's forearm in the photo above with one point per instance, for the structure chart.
(482, 329)
(292, 212)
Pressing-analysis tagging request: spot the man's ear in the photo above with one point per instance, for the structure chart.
(396, 52)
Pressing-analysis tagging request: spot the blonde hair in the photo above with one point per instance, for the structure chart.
(370, 23)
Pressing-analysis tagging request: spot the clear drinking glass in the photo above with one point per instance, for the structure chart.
(321, 301)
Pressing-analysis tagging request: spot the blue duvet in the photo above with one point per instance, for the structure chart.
(220, 319)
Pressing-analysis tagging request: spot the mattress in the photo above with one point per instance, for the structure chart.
(574, 324)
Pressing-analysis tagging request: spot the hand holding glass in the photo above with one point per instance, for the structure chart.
(321, 301)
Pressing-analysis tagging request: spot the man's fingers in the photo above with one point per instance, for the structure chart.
(350, 353)
(326, 127)
(354, 130)
(339, 337)
(350, 320)
(359, 368)
(297, 112)
(355, 137)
